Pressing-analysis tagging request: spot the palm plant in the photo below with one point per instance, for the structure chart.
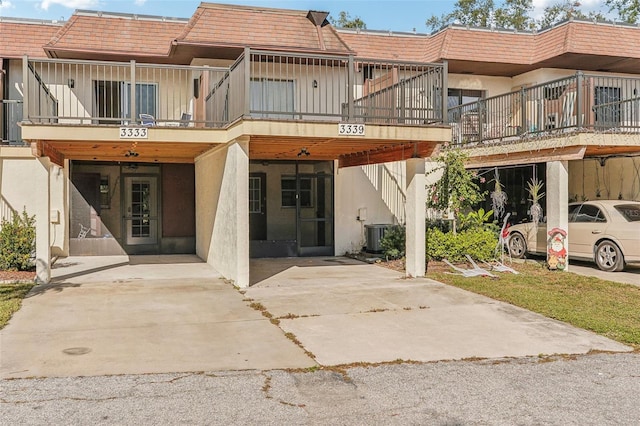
(534, 188)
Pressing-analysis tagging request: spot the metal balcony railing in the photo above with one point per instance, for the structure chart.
(258, 85)
(10, 116)
(583, 102)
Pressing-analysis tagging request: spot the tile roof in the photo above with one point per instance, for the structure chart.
(486, 45)
(24, 37)
(112, 33)
(380, 45)
(93, 34)
(610, 40)
(229, 25)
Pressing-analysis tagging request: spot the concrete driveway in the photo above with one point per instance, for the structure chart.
(153, 314)
(630, 275)
(343, 312)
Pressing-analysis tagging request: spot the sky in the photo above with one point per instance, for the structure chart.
(387, 15)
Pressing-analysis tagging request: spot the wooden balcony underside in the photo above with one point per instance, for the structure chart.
(267, 141)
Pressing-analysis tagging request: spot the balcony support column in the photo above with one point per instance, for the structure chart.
(557, 196)
(415, 218)
(43, 225)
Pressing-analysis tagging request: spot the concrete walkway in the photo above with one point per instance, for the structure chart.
(154, 314)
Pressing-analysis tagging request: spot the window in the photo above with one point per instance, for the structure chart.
(105, 200)
(573, 212)
(288, 185)
(456, 97)
(589, 214)
(272, 98)
(255, 194)
(554, 92)
(607, 105)
(631, 212)
(112, 99)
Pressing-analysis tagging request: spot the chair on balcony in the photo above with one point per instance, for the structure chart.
(185, 119)
(147, 120)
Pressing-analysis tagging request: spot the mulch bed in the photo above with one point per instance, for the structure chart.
(13, 276)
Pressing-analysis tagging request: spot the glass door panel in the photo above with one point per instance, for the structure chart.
(315, 231)
(141, 210)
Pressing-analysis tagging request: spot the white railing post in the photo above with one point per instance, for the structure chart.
(247, 82)
(132, 96)
(444, 92)
(579, 94)
(25, 88)
(350, 89)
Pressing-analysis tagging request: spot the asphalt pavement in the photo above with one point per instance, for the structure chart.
(597, 389)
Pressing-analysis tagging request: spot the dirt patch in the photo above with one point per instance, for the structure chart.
(432, 267)
(13, 276)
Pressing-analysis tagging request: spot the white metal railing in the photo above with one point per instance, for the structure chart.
(585, 102)
(10, 116)
(260, 85)
(92, 92)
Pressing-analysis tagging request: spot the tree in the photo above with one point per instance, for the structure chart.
(628, 10)
(514, 14)
(568, 9)
(456, 189)
(345, 21)
(476, 13)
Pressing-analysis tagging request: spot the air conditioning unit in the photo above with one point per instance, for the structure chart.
(374, 235)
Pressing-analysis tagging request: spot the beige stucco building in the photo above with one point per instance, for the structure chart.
(264, 132)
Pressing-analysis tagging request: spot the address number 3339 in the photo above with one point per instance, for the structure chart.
(351, 129)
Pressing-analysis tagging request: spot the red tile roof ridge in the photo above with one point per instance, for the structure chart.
(191, 23)
(341, 40)
(132, 16)
(446, 42)
(278, 11)
(61, 32)
(366, 31)
(12, 20)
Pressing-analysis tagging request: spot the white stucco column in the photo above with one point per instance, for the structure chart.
(43, 226)
(557, 197)
(222, 210)
(415, 218)
(240, 151)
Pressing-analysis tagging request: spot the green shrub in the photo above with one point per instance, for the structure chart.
(18, 242)
(478, 243)
(393, 242)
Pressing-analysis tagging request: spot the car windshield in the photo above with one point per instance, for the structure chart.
(631, 212)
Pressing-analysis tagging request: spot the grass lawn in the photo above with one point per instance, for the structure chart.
(607, 308)
(11, 296)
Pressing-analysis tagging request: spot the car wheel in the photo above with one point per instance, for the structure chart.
(517, 245)
(609, 257)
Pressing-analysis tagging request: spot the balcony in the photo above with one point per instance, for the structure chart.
(259, 85)
(583, 103)
(10, 116)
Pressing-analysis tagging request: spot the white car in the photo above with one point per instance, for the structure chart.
(606, 232)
